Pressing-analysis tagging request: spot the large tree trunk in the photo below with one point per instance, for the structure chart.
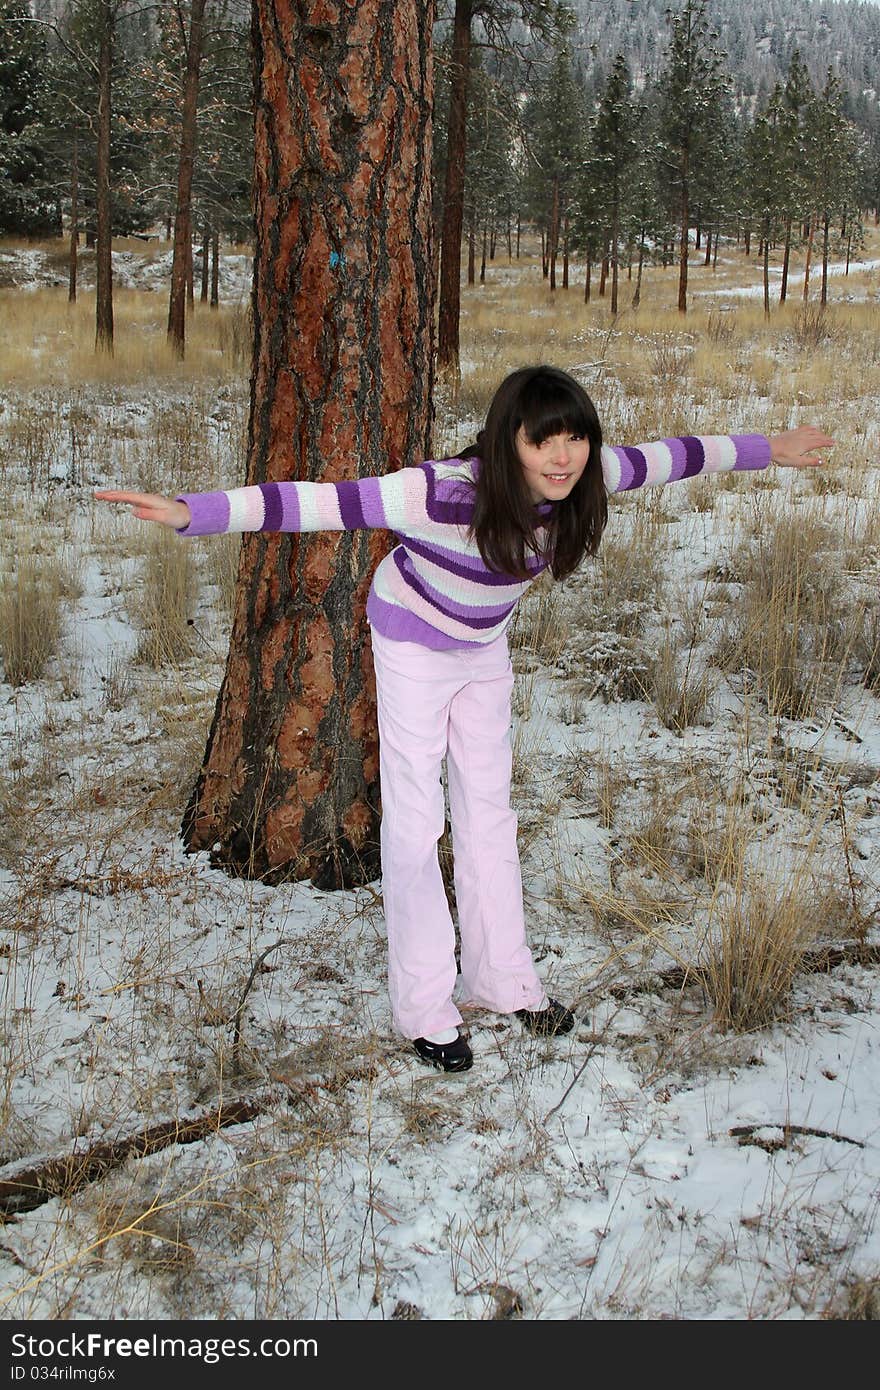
(449, 300)
(341, 387)
(181, 261)
(104, 264)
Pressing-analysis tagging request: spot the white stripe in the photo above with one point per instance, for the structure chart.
(611, 468)
(247, 509)
(309, 516)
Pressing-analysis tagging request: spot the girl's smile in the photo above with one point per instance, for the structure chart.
(552, 467)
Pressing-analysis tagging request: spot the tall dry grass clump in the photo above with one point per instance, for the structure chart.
(759, 930)
(162, 607)
(785, 633)
(34, 590)
(680, 687)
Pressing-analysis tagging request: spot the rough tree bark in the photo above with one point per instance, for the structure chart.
(181, 261)
(103, 262)
(449, 298)
(341, 387)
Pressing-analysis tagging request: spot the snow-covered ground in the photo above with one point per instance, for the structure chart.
(647, 1166)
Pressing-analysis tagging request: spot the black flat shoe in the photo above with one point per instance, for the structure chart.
(454, 1056)
(546, 1023)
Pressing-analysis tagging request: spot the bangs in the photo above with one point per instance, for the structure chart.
(555, 409)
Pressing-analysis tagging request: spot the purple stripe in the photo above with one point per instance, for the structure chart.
(679, 458)
(350, 506)
(461, 612)
(208, 513)
(695, 456)
(371, 502)
(752, 450)
(634, 468)
(457, 512)
(290, 509)
(400, 625)
(273, 505)
(464, 567)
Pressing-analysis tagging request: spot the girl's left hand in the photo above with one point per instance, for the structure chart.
(797, 448)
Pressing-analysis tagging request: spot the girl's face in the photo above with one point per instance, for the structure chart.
(552, 467)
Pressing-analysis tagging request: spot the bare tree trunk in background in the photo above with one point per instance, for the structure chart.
(637, 293)
(215, 269)
(74, 224)
(766, 276)
(181, 261)
(786, 260)
(683, 249)
(825, 232)
(553, 232)
(808, 259)
(341, 387)
(449, 300)
(104, 264)
(206, 255)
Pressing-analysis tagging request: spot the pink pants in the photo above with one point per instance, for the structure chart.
(453, 704)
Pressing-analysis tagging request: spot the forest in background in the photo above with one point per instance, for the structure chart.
(576, 117)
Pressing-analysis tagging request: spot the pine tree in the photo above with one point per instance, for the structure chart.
(692, 85)
(545, 20)
(27, 204)
(796, 99)
(557, 126)
(183, 225)
(614, 152)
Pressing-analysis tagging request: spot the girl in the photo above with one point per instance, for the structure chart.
(474, 532)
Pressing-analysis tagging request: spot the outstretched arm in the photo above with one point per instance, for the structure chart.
(668, 460)
(149, 506)
(402, 500)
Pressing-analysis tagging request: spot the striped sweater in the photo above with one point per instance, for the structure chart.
(434, 588)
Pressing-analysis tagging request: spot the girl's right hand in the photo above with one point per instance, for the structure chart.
(149, 506)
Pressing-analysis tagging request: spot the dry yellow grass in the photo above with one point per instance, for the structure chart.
(217, 343)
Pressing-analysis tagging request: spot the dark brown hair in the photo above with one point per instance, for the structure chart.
(545, 401)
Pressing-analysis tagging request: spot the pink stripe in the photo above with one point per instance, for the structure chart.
(327, 507)
(254, 510)
(714, 458)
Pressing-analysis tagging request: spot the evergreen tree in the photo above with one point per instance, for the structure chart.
(614, 152)
(692, 86)
(544, 18)
(557, 126)
(28, 206)
(793, 156)
(834, 167)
